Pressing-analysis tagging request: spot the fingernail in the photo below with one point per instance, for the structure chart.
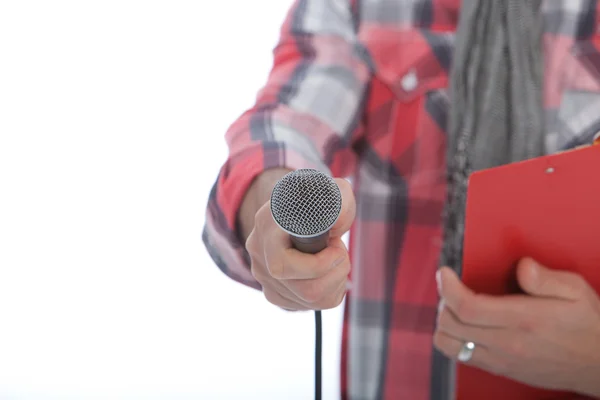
(534, 270)
(438, 279)
(534, 264)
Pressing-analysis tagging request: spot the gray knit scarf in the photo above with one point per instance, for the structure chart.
(496, 107)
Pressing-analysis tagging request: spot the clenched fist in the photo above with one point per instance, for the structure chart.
(293, 280)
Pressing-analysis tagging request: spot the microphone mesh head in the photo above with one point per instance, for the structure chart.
(306, 202)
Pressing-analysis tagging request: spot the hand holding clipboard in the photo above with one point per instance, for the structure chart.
(539, 326)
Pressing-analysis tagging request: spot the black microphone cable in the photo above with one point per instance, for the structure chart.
(318, 354)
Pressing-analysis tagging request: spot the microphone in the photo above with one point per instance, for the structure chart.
(306, 203)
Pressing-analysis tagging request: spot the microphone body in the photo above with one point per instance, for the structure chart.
(311, 245)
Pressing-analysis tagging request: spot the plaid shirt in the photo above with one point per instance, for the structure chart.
(359, 89)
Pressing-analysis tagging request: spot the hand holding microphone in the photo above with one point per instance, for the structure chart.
(308, 213)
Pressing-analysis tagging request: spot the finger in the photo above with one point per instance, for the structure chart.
(274, 297)
(450, 346)
(449, 323)
(287, 299)
(479, 309)
(334, 299)
(267, 230)
(540, 281)
(338, 243)
(287, 264)
(254, 246)
(348, 212)
(262, 276)
(315, 291)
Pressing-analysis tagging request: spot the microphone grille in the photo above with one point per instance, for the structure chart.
(306, 202)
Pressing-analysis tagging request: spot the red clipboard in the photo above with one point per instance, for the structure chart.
(547, 208)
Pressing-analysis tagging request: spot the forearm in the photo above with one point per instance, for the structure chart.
(256, 196)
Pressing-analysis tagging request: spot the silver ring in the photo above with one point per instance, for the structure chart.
(466, 352)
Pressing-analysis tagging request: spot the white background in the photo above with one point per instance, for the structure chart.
(112, 116)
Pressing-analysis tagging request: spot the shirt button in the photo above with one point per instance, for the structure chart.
(410, 81)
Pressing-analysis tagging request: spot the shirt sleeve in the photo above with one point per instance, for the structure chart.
(307, 115)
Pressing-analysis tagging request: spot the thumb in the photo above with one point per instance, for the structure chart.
(348, 211)
(537, 280)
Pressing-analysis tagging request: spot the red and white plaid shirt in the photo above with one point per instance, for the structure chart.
(359, 89)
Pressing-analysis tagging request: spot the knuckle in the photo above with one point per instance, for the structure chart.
(251, 239)
(334, 301)
(260, 219)
(437, 341)
(445, 319)
(252, 245)
(339, 299)
(257, 220)
(345, 266)
(256, 272)
(441, 343)
(271, 296)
